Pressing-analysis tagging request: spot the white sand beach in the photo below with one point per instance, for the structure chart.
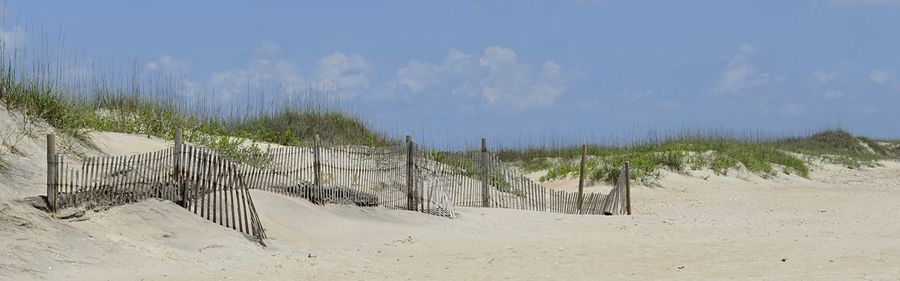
(838, 224)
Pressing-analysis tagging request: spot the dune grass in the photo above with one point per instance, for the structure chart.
(129, 109)
(130, 114)
(156, 107)
(121, 110)
(718, 154)
(136, 110)
(77, 96)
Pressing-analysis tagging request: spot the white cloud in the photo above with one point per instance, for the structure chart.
(881, 76)
(269, 69)
(510, 81)
(169, 65)
(739, 74)
(13, 39)
(178, 70)
(459, 71)
(418, 76)
(278, 73)
(832, 95)
(344, 73)
(823, 77)
(496, 77)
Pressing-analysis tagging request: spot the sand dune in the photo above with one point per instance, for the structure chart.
(839, 224)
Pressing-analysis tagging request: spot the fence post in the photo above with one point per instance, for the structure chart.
(52, 168)
(182, 188)
(410, 175)
(317, 168)
(581, 177)
(627, 189)
(485, 175)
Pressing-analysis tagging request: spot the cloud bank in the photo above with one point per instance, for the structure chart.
(494, 78)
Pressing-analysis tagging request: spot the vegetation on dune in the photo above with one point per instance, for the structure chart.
(157, 108)
(718, 154)
(133, 111)
(838, 143)
(295, 127)
(892, 145)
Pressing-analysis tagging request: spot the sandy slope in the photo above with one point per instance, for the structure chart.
(838, 225)
(691, 230)
(121, 144)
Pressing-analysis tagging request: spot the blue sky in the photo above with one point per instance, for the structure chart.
(513, 70)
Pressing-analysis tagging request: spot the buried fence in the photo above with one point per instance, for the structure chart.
(395, 177)
(204, 183)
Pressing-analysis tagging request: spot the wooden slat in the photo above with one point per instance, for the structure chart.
(107, 178)
(194, 176)
(138, 177)
(93, 182)
(155, 177)
(243, 199)
(62, 181)
(52, 168)
(184, 177)
(229, 194)
(204, 181)
(214, 191)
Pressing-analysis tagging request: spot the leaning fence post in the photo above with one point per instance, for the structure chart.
(52, 168)
(581, 177)
(410, 175)
(182, 187)
(485, 175)
(317, 168)
(627, 190)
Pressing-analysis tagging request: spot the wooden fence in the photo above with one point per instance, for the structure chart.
(397, 177)
(200, 181)
(362, 176)
(477, 178)
(216, 189)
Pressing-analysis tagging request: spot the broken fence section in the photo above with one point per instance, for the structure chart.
(206, 184)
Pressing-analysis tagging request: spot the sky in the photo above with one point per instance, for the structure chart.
(517, 71)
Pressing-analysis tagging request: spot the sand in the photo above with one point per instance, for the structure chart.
(839, 224)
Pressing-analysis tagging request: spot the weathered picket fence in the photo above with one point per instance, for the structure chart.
(477, 178)
(201, 181)
(362, 176)
(403, 176)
